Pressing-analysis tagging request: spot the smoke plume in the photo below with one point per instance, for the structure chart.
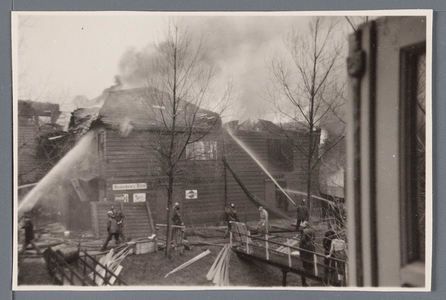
(238, 46)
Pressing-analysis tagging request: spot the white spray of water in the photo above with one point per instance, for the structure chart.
(247, 150)
(305, 194)
(60, 171)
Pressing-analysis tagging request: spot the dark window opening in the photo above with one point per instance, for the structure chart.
(280, 156)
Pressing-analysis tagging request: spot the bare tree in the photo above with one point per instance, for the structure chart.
(178, 91)
(307, 91)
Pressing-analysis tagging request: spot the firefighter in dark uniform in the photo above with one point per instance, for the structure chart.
(307, 243)
(231, 216)
(302, 214)
(120, 222)
(29, 234)
(112, 229)
(176, 218)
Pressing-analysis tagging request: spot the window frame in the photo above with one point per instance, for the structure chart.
(208, 151)
(287, 165)
(412, 266)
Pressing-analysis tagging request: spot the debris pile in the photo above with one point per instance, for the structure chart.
(219, 271)
(112, 262)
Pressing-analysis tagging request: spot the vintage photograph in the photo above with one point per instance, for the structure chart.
(222, 150)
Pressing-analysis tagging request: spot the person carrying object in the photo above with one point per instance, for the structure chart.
(112, 229)
(231, 216)
(262, 226)
(120, 222)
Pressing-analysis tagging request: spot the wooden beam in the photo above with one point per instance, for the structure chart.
(150, 216)
(284, 276)
(125, 227)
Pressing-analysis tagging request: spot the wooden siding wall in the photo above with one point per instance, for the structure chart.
(31, 168)
(248, 170)
(130, 160)
(255, 178)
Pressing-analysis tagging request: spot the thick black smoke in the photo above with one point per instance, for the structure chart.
(239, 47)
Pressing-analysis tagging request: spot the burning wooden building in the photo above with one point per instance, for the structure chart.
(129, 173)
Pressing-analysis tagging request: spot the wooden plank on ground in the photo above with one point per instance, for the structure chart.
(150, 216)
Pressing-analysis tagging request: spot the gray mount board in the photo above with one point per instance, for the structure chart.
(439, 141)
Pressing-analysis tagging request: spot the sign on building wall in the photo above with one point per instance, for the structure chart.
(139, 197)
(122, 197)
(191, 194)
(129, 186)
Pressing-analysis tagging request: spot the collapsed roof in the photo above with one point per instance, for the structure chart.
(81, 120)
(264, 126)
(149, 108)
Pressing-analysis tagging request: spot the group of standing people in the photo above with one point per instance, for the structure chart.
(334, 249)
(115, 227)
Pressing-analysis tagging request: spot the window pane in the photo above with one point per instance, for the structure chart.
(199, 151)
(213, 150)
(202, 150)
(280, 156)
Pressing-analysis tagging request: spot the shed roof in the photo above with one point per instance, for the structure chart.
(28, 108)
(149, 108)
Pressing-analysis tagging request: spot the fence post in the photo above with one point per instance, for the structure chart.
(85, 264)
(247, 241)
(315, 264)
(346, 274)
(106, 280)
(266, 246)
(289, 256)
(230, 238)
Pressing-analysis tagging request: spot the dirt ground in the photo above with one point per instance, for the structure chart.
(150, 269)
(33, 271)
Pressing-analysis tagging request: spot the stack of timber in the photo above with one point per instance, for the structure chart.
(219, 271)
(112, 261)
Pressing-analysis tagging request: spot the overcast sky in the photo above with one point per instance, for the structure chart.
(62, 56)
